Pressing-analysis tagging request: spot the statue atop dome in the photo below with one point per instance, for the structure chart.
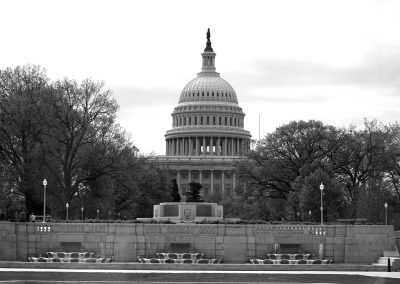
(208, 47)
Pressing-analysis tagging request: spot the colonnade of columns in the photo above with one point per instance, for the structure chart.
(223, 181)
(200, 146)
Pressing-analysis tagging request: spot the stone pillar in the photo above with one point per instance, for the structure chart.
(218, 146)
(225, 148)
(204, 146)
(238, 147)
(190, 153)
(197, 146)
(232, 148)
(182, 146)
(223, 183)
(211, 146)
(212, 182)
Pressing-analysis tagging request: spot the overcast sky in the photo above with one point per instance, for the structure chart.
(335, 61)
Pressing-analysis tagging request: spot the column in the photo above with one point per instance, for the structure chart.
(190, 146)
(204, 146)
(211, 145)
(182, 146)
(212, 182)
(225, 148)
(218, 146)
(197, 146)
(232, 148)
(238, 146)
(223, 183)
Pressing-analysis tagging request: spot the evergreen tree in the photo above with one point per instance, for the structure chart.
(175, 191)
(194, 193)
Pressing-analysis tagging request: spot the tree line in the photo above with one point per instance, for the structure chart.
(359, 168)
(66, 132)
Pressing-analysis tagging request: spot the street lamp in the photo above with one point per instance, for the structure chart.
(309, 216)
(321, 187)
(82, 212)
(97, 215)
(44, 200)
(386, 207)
(67, 205)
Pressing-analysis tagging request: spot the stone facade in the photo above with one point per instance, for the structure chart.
(233, 243)
(207, 134)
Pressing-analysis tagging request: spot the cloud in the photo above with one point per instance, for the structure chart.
(132, 96)
(379, 70)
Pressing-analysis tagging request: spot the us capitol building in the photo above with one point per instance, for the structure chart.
(207, 134)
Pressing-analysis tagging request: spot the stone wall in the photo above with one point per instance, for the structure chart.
(233, 243)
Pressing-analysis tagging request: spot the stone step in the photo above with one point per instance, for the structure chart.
(384, 260)
(391, 253)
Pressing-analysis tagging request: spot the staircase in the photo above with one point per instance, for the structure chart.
(392, 255)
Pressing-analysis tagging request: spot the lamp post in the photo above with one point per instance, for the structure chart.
(321, 187)
(44, 200)
(67, 206)
(309, 216)
(82, 212)
(386, 207)
(97, 215)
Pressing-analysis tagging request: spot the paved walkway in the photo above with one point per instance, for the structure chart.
(24, 275)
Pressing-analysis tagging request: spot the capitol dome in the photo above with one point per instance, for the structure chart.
(208, 88)
(208, 120)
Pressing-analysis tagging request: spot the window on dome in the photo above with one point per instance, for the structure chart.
(184, 121)
(180, 121)
(201, 120)
(198, 94)
(190, 120)
(207, 94)
(226, 121)
(212, 93)
(230, 121)
(217, 94)
(202, 94)
(219, 120)
(214, 120)
(208, 120)
(195, 120)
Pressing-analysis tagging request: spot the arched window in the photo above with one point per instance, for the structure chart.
(230, 121)
(226, 121)
(208, 120)
(195, 120)
(180, 121)
(190, 120)
(219, 120)
(184, 121)
(214, 120)
(201, 120)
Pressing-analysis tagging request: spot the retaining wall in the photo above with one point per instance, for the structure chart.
(233, 243)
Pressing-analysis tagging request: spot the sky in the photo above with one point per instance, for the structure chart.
(334, 61)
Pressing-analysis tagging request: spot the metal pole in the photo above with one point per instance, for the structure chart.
(321, 187)
(44, 201)
(386, 207)
(67, 205)
(82, 213)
